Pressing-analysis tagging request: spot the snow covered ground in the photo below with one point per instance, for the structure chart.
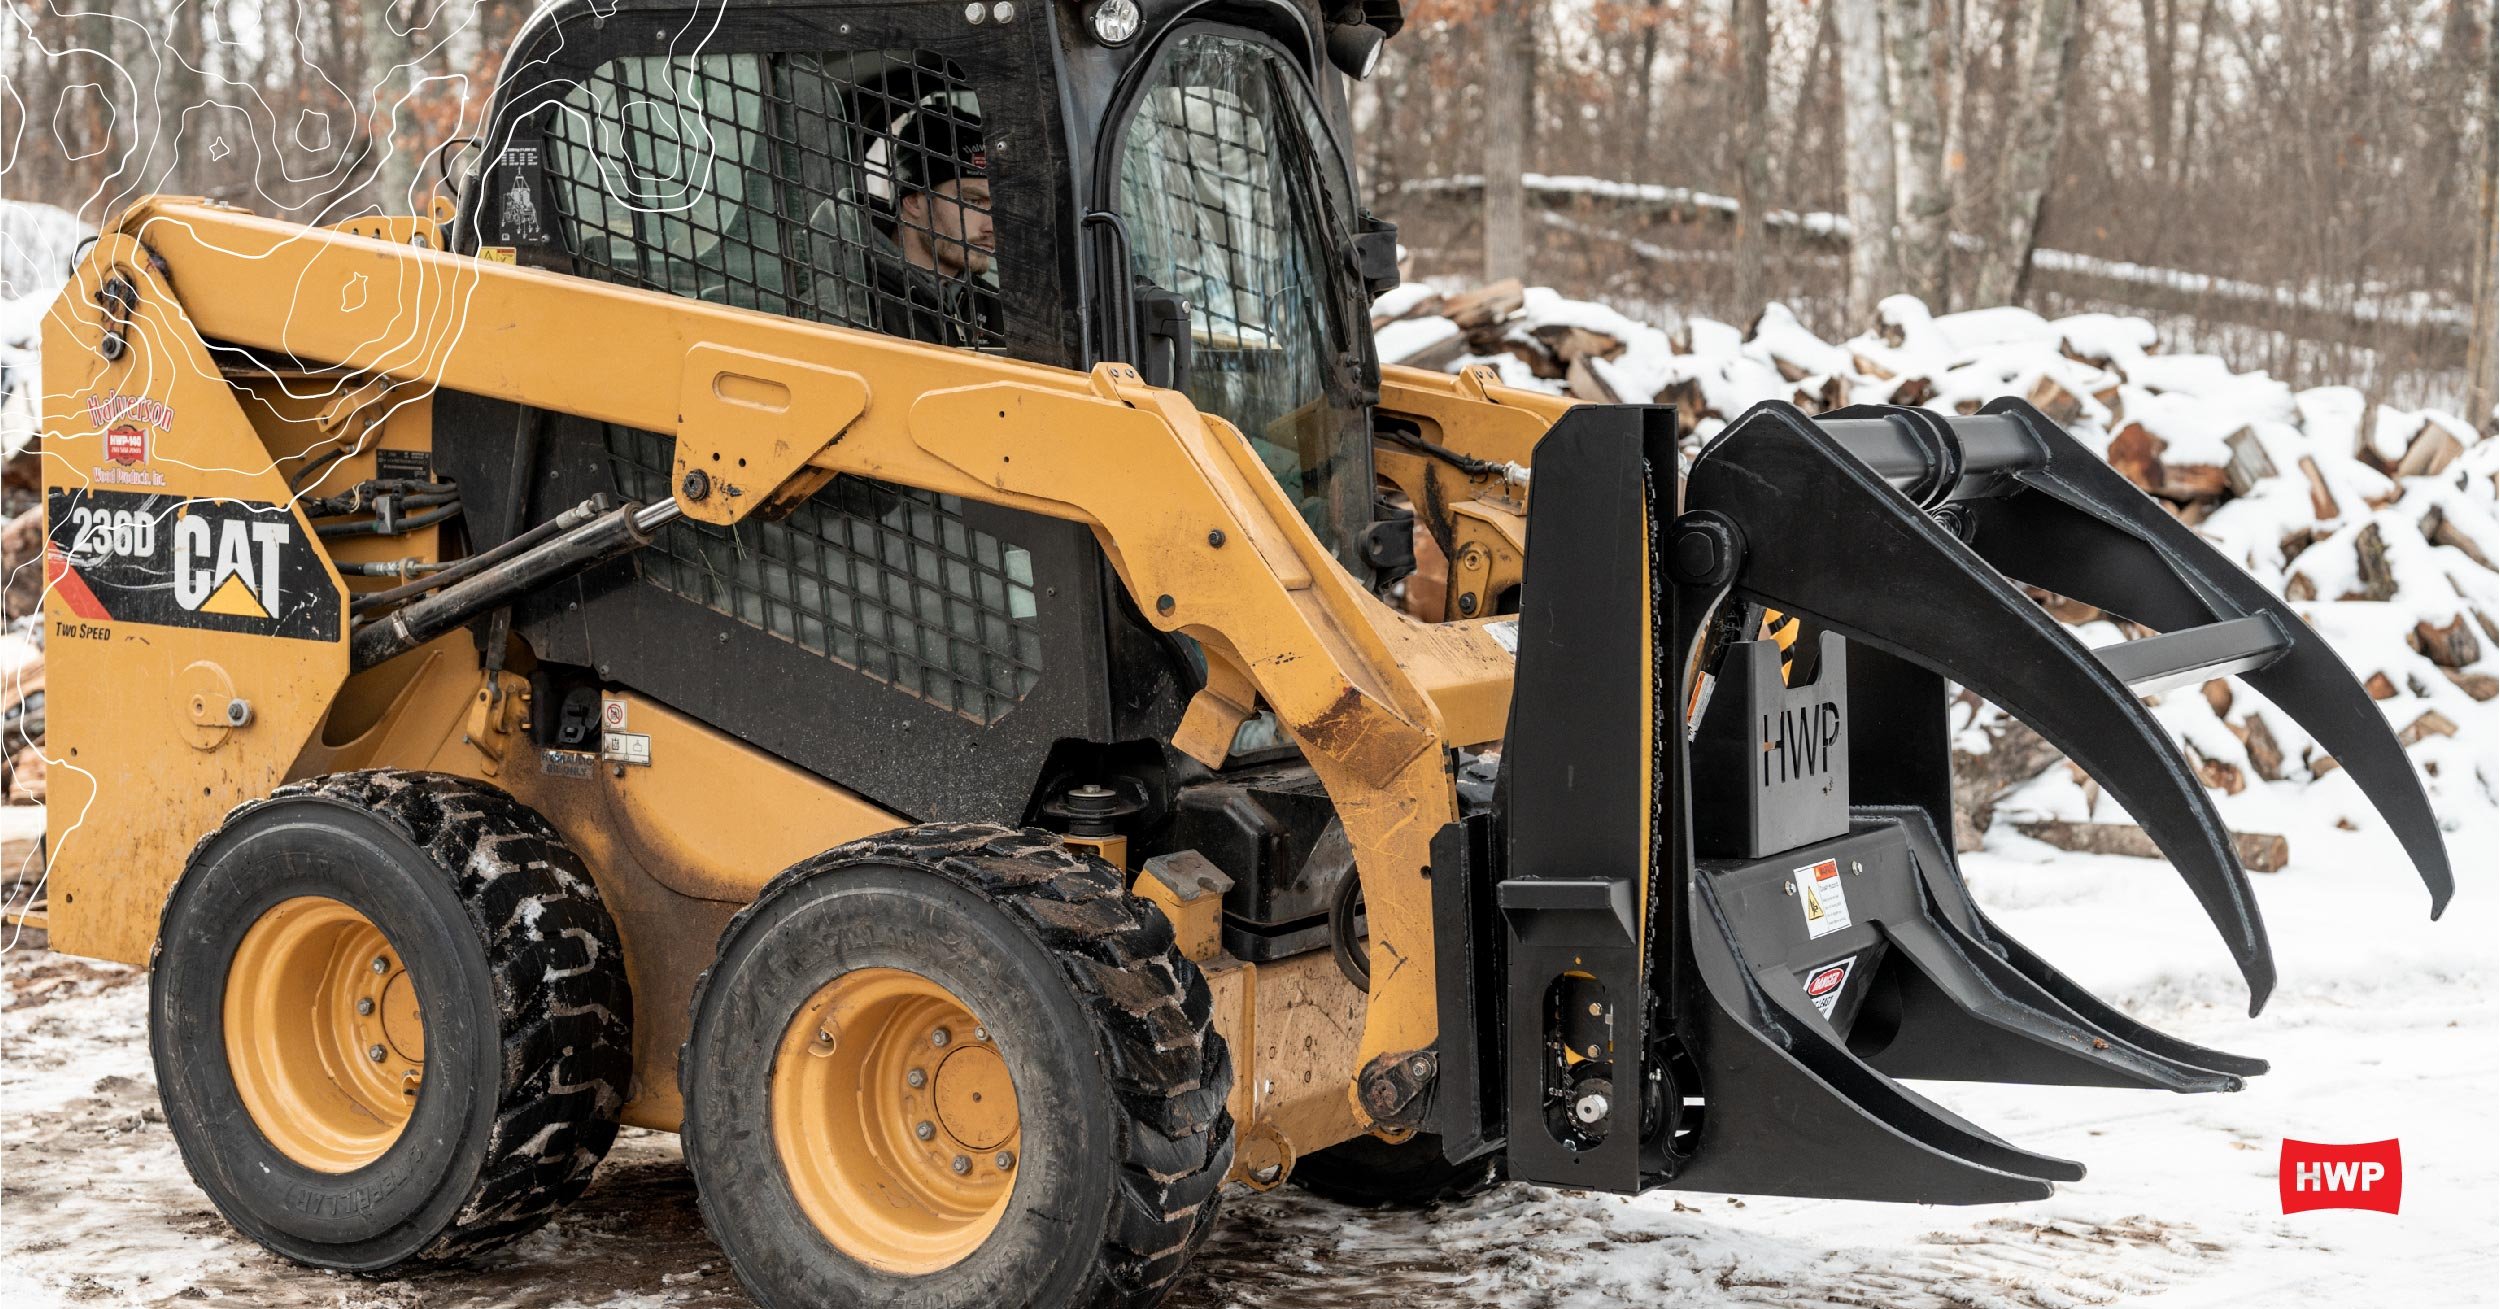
(2384, 1024)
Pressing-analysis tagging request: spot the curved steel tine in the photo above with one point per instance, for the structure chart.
(1826, 536)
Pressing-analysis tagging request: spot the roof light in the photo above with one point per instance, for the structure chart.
(1355, 48)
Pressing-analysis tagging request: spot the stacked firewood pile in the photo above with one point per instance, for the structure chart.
(21, 639)
(21, 678)
(2378, 524)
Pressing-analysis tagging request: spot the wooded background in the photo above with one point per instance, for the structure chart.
(2305, 186)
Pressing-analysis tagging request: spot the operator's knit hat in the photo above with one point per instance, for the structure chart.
(935, 146)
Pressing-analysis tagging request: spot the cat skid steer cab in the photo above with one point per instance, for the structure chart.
(844, 600)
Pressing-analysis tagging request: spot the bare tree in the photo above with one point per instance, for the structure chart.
(2482, 354)
(1920, 101)
(2037, 117)
(1753, 149)
(1645, 81)
(1867, 156)
(1509, 47)
(390, 76)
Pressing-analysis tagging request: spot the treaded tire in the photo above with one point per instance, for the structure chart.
(1371, 1173)
(1121, 1079)
(527, 1013)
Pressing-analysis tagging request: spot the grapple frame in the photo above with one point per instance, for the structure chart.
(1731, 917)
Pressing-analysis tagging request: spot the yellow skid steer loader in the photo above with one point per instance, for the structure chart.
(833, 602)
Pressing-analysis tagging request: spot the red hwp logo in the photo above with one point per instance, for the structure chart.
(1827, 980)
(2366, 1176)
(126, 443)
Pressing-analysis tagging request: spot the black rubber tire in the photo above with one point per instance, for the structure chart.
(1104, 1026)
(1371, 1173)
(521, 978)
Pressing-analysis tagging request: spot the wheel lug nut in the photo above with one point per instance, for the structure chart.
(981, 1034)
(1006, 1160)
(924, 1130)
(364, 1007)
(381, 963)
(915, 1079)
(940, 1037)
(962, 1164)
(375, 1054)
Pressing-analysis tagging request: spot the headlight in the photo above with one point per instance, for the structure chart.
(1113, 21)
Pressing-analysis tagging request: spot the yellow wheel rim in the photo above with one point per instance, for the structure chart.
(895, 1118)
(324, 1037)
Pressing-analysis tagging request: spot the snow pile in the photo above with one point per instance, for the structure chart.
(2380, 526)
(36, 242)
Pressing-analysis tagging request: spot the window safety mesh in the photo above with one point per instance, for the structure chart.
(846, 189)
(886, 580)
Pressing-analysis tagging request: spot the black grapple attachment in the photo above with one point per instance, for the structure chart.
(1733, 919)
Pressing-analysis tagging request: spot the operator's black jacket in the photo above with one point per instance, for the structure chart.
(929, 306)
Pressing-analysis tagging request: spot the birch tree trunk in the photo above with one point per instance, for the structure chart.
(1507, 35)
(1753, 152)
(2482, 350)
(1866, 153)
(1805, 120)
(2038, 119)
(1926, 199)
(389, 77)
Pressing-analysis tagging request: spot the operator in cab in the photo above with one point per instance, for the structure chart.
(933, 275)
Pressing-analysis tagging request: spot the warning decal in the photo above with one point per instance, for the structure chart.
(173, 561)
(1826, 904)
(1824, 984)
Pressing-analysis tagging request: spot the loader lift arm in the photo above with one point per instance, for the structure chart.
(767, 409)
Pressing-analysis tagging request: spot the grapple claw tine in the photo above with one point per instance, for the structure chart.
(2075, 1038)
(1877, 568)
(2085, 532)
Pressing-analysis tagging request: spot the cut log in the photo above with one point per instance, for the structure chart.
(1539, 362)
(2249, 464)
(1790, 372)
(1913, 391)
(1831, 394)
(1424, 308)
(2194, 483)
(1486, 305)
(26, 777)
(2439, 531)
(2378, 580)
(2265, 754)
(2015, 755)
(1583, 381)
(2450, 646)
(2217, 774)
(2218, 696)
(2481, 686)
(1869, 368)
(2430, 452)
(2431, 723)
(2379, 687)
(2259, 852)
(1439, 355)
(1571, 343)
(2073, 613)
(2322, 504)
(1690, 406)
(21, 542)
(2136, 453)
(2051, 397)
